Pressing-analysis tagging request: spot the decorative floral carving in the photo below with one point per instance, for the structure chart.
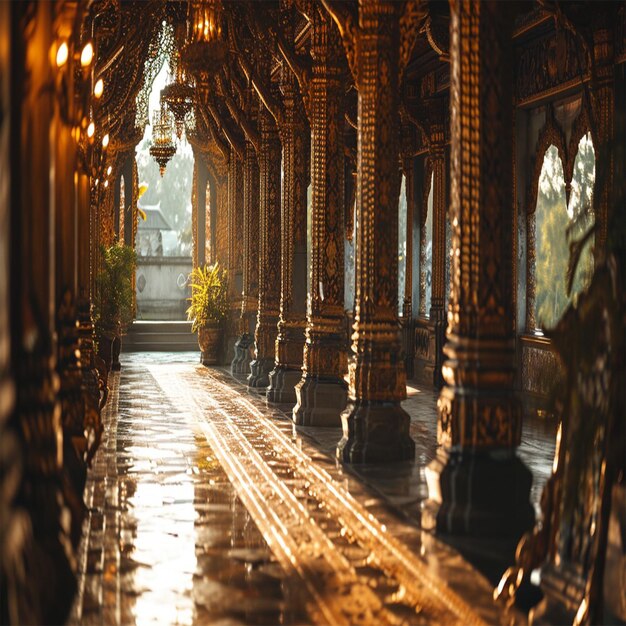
(547, 64)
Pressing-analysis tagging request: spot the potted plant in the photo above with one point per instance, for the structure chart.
(113, 304)
(208, 308)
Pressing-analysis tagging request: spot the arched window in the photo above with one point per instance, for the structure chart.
(580, 209)
(557, 223)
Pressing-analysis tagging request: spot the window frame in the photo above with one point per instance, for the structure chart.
(551, 134)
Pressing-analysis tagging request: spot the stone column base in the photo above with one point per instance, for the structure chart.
(375, 432)
(320, 401)
(480, 494)
(259, 377)
(240, 365)
(282, 387)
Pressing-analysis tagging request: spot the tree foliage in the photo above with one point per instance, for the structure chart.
(557, 225)
(172, 192)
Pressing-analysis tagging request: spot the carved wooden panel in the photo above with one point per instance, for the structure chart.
(422, 340)
(620, 36)
(548, 64)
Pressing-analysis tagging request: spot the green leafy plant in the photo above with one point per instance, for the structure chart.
(113, 304)
(209, 296)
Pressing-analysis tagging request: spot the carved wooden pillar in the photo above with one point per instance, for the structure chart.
(125, 214)
(89, 377)
(68, 200)
(235, 209)
(14, 589)
(30, 427)
(477, 485)
(375, 427)
(235, 244)
(321, 394)
(269, 158)
(194, 211)
(72, 197)
(295, 135)
(604, 99)
(238, 234)
(440, 209)
(83, 210)
(250, 289)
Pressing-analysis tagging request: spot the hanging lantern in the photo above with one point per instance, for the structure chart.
(178, 98)
(162, 148)
(205, 51)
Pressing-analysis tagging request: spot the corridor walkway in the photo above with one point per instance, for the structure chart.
(206, 507)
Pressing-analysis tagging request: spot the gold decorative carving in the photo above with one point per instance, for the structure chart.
(324, 351)
(570, 544)
(269, 157)
(422, 342)
(251, 239)
(620, 35)
(550, 63)
(295, 135)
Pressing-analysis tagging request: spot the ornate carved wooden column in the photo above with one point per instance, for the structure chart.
(250, 292)
(235, 247)
(194, 210)
(269, 157)
(295, 136)
(238, 236)
(437, 142)
(603, 108)
(235, 209)
(477, 484)
(70, 194)
(321, 394)
(30, 420)
(14, 590)
(375, 427)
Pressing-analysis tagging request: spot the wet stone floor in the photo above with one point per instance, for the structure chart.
(207, 507)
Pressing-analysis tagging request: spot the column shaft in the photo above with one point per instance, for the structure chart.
(477, 483)
(321, 394)
(269, 252)
(295, 135)
(440, 209)
(603, 113)
(244, 345)
(375, 427)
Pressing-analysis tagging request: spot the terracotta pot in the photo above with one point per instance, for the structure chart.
(209, 340)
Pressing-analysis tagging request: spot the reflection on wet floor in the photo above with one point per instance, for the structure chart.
(208, 507)
(169, 541)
